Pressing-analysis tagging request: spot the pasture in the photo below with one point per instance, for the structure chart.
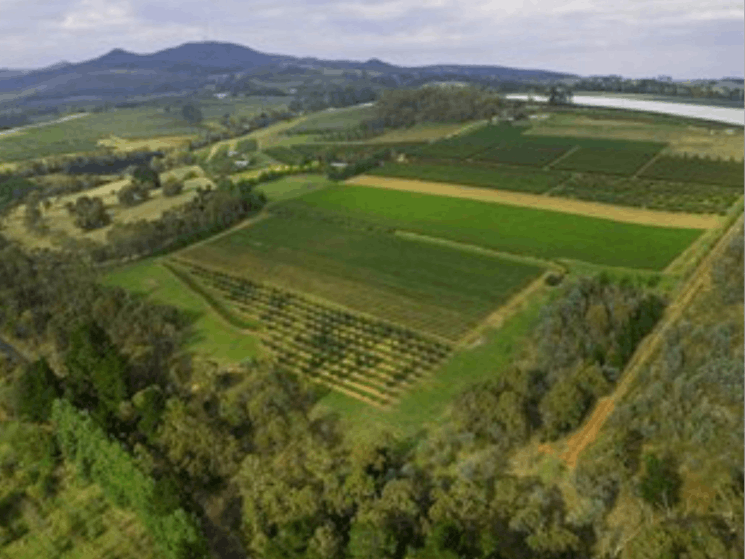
(61, 225)
(519, 230)
(83, 134)
(211, 335)
(503, 178)
(423, 286)
(333, 120)
(419, 133)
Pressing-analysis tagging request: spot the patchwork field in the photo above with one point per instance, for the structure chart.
(695, 169)
(519, 230)
(435, 289)
(503, 178)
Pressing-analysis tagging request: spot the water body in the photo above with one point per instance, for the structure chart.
(727, 115)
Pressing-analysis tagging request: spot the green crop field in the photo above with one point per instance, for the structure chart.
(332, 120)
(524, 154)
(421, 285)
(696, 169)
(81, 134)
(652, 194)
(518, 230)
(605, 160)
(521, 180)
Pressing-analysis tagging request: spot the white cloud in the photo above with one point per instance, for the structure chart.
(98, 15)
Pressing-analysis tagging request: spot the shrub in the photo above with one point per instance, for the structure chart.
(660, 484)
(172, 188)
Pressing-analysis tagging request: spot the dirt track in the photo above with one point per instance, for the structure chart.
(578, 207)
(575, 444)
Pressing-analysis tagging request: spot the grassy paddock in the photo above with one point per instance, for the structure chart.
(539, 233)
(334, 120)
(212, 336)
(520, 180)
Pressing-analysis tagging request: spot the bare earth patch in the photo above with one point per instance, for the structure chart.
(578, 207)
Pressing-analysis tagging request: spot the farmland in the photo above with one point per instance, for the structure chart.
(518, 230)
(653, 194)
(504, 178)
(696, 169)
(605, 160)
(333, 120)
(435, 289)
(82, 134)
(367, 359)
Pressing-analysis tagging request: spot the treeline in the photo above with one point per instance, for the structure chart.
(406, 107)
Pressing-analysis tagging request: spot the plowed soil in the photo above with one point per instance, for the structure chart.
(578, 207)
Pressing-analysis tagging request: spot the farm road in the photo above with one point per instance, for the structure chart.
(587, 434)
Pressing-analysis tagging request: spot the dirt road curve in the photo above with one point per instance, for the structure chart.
(575, 444)
(538, 201)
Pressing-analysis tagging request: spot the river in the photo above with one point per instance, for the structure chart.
(727, 115)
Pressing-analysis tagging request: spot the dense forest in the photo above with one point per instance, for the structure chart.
(244, 467)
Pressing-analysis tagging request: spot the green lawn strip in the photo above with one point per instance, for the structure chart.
(469, 283)
(211, 336)
(292, 186)
(425, 405)
(604, 160)
(725, 173)
(520, 180)
(215, 304)
(518, 230)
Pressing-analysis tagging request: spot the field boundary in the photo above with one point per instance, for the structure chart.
(649, 163)
(590, 429)
(624, 214)
(506, 311)
(480, 250)
(216, 306)
(573, 149)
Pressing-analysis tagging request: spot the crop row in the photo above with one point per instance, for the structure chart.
(609, 161)
(696, 169)
(358, 355)
(652, 194)
(502, 178)
(525, 154)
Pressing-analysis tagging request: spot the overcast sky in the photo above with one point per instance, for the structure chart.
(633, 38)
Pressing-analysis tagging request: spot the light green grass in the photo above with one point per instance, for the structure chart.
(338, 119)
(293, 186)
(81, 134)
(533, 232)
(426, 404)
(212, 336)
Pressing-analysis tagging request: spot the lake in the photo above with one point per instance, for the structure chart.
(728, 115)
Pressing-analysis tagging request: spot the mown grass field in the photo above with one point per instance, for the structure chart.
(503, 178)
(428, 287)
(533, 232)
(212, 336)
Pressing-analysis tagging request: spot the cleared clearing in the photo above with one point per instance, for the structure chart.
(592, 209)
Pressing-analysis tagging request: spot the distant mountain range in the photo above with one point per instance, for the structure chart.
(188, 65)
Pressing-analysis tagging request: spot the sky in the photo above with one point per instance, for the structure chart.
(684, 39)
